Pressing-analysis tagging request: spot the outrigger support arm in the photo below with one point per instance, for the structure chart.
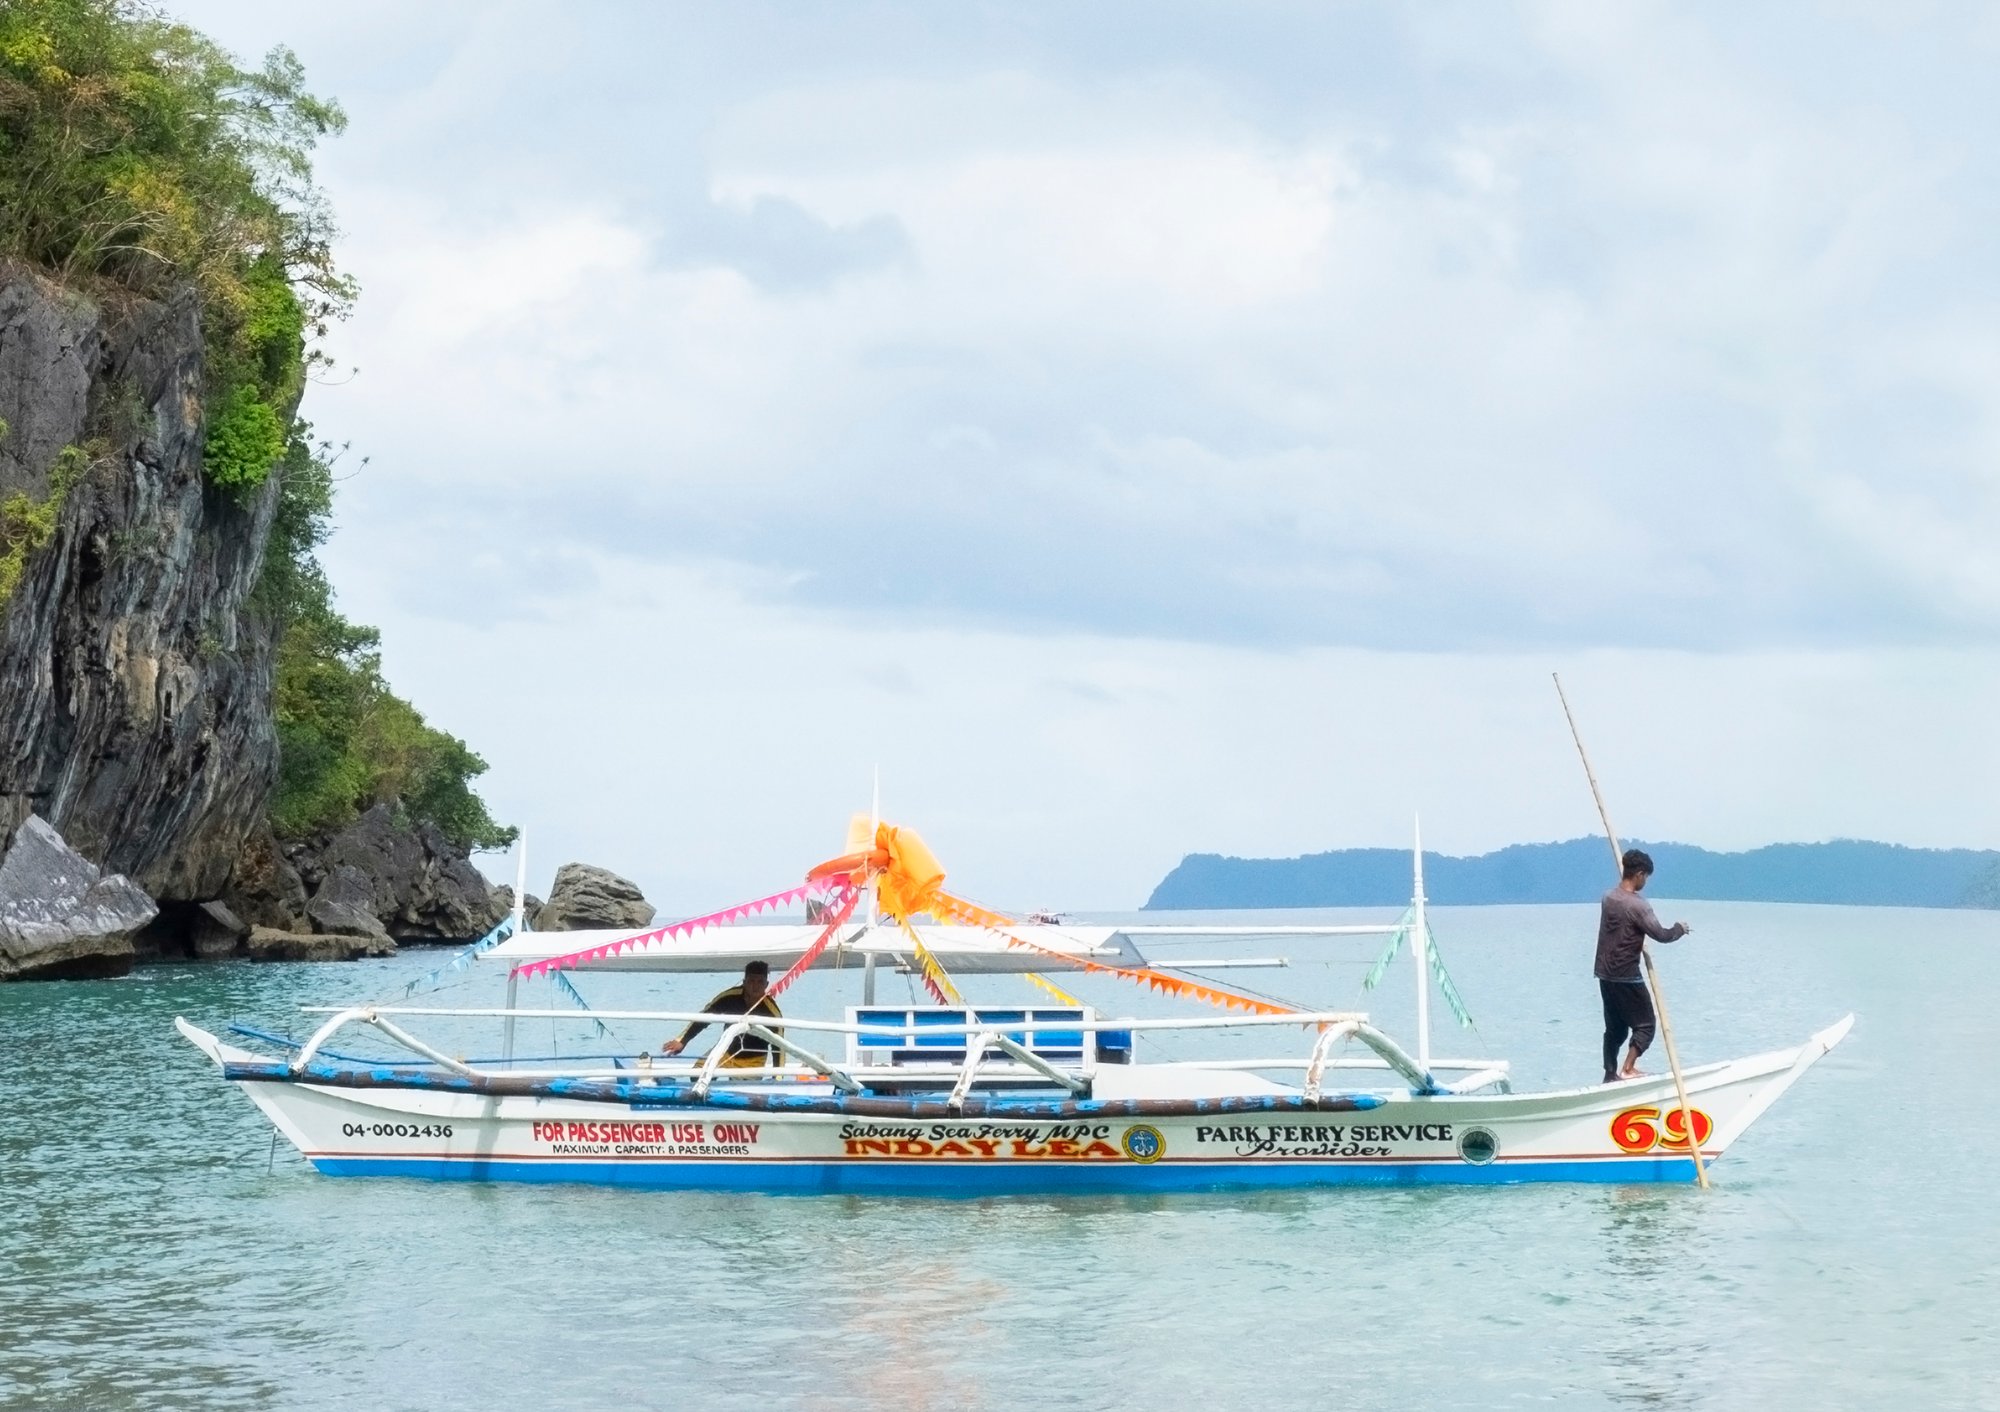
(714, 1059)
(975, 1055)
(1397, 1057)
(325, 1032)
(1495, 1074)
(1316, 1067)
(415, 1045)
(367, 1015)
(839, 1077)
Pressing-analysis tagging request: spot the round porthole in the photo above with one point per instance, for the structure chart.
(1478, 1146)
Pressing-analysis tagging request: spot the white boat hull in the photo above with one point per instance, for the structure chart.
(768, 1138)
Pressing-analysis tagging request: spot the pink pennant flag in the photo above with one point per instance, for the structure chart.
(843, 909)
(676, 929)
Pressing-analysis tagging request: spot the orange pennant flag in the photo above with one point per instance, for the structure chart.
(958, 909)
(909, 881)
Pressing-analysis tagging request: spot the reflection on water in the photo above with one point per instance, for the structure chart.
(1657, 1254)
(154, 1256)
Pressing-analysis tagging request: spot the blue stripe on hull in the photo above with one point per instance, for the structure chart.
(1011, 1179)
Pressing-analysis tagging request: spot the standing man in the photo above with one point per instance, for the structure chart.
(752, 996)
(1624, 923)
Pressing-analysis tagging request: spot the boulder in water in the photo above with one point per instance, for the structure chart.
(268, 945)
(213, 931)
(503, 898)
(585, 897)
(61, 917)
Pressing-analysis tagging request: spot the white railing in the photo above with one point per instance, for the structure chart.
(1333, 1027)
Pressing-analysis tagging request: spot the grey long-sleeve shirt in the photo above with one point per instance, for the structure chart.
(1623, 925)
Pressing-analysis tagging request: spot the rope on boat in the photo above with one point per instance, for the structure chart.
(1445, 986)
(529, 969)
(842, 904)
(1043, 983)
(464, 958)
(937, 980)
(959, 910)
(282, 1042)
(564, 984)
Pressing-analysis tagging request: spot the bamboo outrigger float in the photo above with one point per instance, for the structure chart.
(958, 1098)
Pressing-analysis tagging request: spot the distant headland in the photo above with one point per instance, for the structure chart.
(1847, 871)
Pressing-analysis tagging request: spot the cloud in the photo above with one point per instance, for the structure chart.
(782, 247)
(675, 725)
(1167, 429)
(1120, 353)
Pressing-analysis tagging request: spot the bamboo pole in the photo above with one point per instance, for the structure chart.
(1652, 971)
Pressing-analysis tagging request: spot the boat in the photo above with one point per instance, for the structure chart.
(951, 1097)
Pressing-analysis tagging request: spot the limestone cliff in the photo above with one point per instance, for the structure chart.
(135, 688)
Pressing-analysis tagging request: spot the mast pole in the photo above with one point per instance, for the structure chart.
(520, 925)
(874, 824)
(1652, 971)
(868, 957)
(521, 883)
(1421, 951)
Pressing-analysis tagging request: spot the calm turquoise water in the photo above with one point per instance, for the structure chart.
(153, 1255)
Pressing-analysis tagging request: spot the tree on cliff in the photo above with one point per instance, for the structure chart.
(135, 152)
(137, 157)
(349, 742)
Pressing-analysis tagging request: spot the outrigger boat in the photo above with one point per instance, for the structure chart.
(954, 1098)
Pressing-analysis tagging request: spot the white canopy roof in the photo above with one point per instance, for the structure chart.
(967, 950)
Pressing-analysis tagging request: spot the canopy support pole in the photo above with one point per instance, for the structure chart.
(507, 1030)
(1420, 938)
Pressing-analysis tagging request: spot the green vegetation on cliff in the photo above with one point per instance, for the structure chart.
(135, 152)
(349, 741)
(137, 157)
(26, 524)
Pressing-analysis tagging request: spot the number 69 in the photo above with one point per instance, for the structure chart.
(1642, 1129)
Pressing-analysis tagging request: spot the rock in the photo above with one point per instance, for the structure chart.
(345, 906)
(384, 852)
(421, 886)
(267, 944)
(503, 898)
(585, 897)
(214, 931)
(462, 904)
(61, 917)
(190, 931)
(135, 681)
(264, 889)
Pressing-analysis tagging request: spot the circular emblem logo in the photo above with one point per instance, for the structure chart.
(1144, 1144)
(1478, 1146)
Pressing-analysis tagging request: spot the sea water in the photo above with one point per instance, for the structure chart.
(156, 1250)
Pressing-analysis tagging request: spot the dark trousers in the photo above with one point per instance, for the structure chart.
(1628, 1010)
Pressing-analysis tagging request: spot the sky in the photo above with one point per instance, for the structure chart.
(1140, 429)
